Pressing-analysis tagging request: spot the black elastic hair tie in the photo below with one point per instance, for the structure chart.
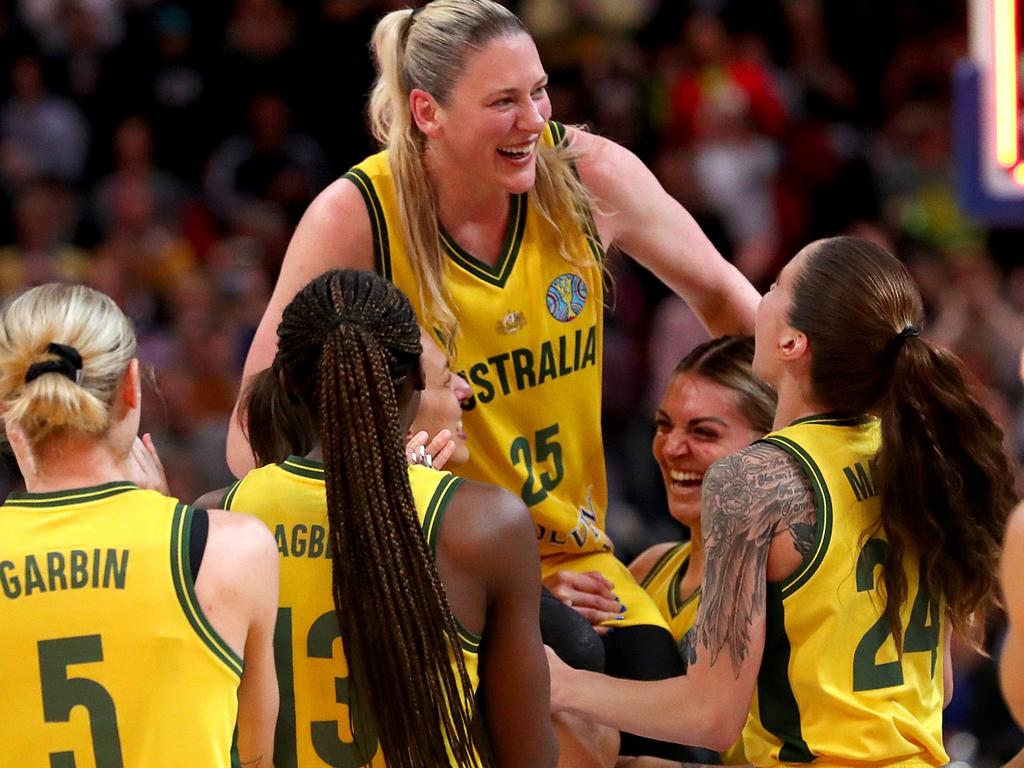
(907, 332)
(68, 363)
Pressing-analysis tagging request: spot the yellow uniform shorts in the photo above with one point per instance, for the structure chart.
(640, 609)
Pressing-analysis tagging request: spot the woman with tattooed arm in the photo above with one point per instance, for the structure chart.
(843, 548)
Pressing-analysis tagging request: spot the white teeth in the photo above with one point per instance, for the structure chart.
(519, 149)
(685, 477)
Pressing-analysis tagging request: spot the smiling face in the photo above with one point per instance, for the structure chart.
(493, 118)
(441, 400)
(698, 423)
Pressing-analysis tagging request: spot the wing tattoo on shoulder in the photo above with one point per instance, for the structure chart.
(748, 499)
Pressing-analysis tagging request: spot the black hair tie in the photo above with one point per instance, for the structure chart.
(68, 363)
(907, 332)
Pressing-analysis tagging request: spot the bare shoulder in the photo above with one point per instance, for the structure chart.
(340, 197)
(763, 494)
(488, 529)
(646, 560)
(628, 198)
(1015, 528)
(240, 537)
(757, 479)
(602, 162)
(333, 232)
(1013, 563)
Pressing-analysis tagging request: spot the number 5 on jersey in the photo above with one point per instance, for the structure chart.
(62, 693)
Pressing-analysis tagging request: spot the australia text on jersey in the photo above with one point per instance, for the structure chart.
(525, 368)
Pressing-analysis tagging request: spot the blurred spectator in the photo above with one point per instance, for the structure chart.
(40, 134)
(816, 85)
(134, 174)
(175, 90)
(53, 22)
(259, 55)
(268, 163)
(718, 79)
(44, 219)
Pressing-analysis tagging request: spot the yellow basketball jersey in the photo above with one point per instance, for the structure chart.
(662, 584)
(530, 344)
(320, 722)
(831, 689)
(106, 657)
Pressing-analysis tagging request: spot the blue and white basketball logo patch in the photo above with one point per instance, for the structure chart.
(566, 297)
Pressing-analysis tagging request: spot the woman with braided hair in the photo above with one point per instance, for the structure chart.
(842, 549)
(431, 582)
(126, 614)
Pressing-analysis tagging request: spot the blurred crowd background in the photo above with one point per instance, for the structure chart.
(164, 151)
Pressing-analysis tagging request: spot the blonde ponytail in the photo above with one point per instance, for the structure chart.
(33, 325)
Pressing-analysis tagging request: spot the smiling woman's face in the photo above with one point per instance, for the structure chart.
(698, 423)
(441, 400)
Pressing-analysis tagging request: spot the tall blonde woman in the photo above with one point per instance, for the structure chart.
(137, 631)
(495, 221)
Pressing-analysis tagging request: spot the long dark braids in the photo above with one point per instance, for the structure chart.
(942, 474)
(347, 342)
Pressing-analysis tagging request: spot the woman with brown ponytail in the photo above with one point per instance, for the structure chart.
(842, 549)
(430, 582)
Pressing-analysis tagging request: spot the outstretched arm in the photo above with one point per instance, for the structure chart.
(334, 233)
(634, 213)
(753, 502)
(1011, 670)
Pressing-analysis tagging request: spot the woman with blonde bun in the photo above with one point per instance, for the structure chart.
(137, 630)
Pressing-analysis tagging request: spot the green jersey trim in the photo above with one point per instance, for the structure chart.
(181, 574)
(675, 605)
(378, 222)
(823, 525)
(469, 640)
(560, 140)
(499, 273)
(436, 508)
(229, 495)
(777, 706)
(303, 467)
(660, 564)
(69, 496)
(836, 419)
(559, 134)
